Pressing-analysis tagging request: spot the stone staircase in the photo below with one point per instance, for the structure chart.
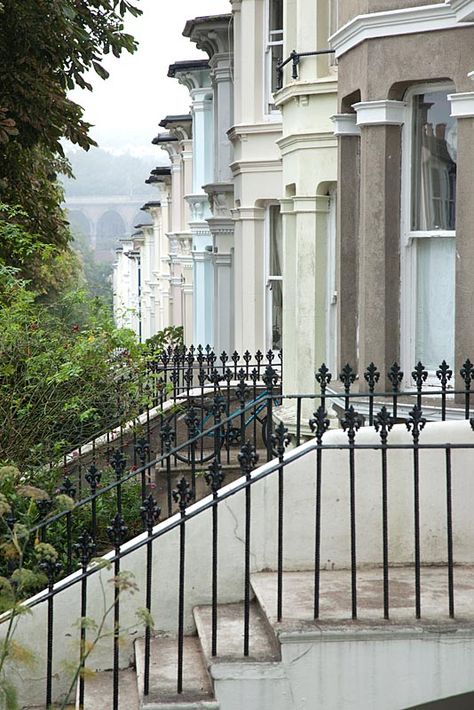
(263, 680)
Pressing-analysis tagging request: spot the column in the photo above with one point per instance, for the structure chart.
(305, 274)
(249, 279)
(346, 128)
(379, 230)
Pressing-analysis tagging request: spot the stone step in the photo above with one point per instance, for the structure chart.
(230, 634)
(99, 690)
(197, 689)
(335, 599)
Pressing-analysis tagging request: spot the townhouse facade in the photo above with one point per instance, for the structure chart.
(326, 214)
(405, 128)
(264, 170)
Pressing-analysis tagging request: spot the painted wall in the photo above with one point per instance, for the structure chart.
(309, 159)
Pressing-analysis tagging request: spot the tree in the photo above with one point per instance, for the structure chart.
(46, 48)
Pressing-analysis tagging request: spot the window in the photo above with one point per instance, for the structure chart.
(274, 47)
(274, 306)
(428, 252)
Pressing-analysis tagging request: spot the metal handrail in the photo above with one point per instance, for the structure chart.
(295, 59)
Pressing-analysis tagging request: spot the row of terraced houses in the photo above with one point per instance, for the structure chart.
(317, 208)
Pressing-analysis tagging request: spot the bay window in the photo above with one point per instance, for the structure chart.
(274, 48)
(428, 226)
(274, 259)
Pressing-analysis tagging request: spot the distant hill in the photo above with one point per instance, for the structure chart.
(98, 172)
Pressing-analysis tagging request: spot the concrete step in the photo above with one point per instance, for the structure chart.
(99, 690)
(230, 634)
(197, 689)
(335, 599)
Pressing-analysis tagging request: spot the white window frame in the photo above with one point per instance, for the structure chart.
(269, 278)
(270, 109)
(408, 237)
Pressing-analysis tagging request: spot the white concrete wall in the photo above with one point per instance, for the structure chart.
(299, 537)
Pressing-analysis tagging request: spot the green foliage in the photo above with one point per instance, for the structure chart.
(98, 275)
(171, 336)
(66, 373)
(46, 48)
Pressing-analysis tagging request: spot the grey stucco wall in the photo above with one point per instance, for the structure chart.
(348, 9)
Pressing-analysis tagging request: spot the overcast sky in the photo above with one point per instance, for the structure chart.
(127, 108)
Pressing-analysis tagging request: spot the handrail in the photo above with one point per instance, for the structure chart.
(295, 58)
(266, 469)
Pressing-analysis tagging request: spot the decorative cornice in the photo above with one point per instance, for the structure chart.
(306, 141)
(380, 113)
(345, 124)
(255, 166)
(211, 33)
(193, 74)
(248, 213)
(241, 130)
(462, 105)
(410, 20)
(298, 90)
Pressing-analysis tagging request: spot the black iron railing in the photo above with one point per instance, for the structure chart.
(382, 412)
(210, 422)
(295, 58)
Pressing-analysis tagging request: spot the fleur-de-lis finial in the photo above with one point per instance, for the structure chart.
(117, 461)
(150, 512)
(280, 439)
(44, 506)
(214, 377)
(192, 422)
(347, 377)
(67, 488)
(202, 377)
(270, 378)
(259, 357)
(248, 458)
(319, 424)
(444, 373)
(182, 495)
(142, 448)
(395, 375)
(419, 375)
(467, 373)
(351, 423)
(242, 392)
(51, 567)
(117, 530)
(188, 376)
(84, 548)
(270, 356)
(416, 422)
(371, 376)
(218, 407)
(383, 423)
(323, 377)
(168, 436)
(214, 476)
